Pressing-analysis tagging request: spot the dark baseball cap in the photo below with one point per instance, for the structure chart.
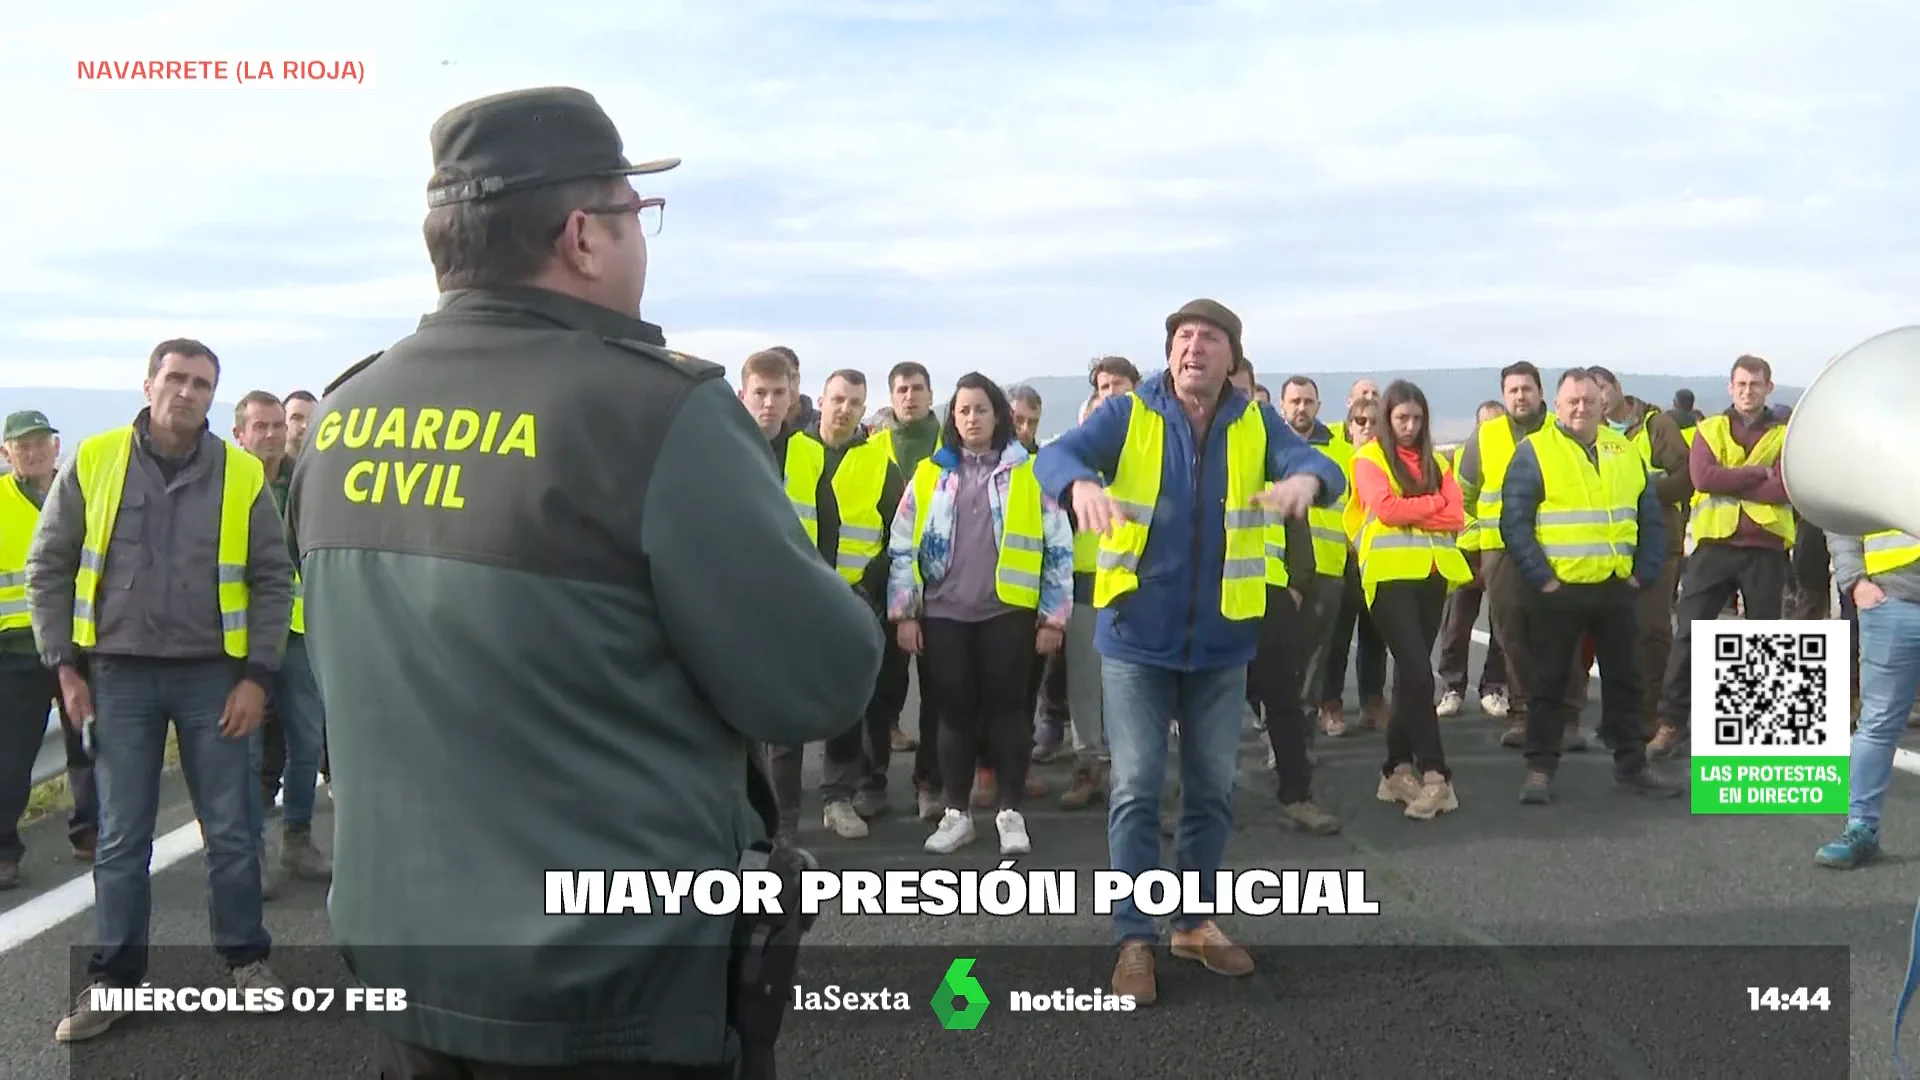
(526, 139)
(26, 422)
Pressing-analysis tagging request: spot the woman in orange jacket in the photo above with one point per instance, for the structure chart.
(1407, 507)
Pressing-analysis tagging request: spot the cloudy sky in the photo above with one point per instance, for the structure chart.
(1012, 187)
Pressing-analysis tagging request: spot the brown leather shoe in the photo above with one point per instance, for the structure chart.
(1133, 973)
(1213, 949)
(904, 743)
(1089, 783)
(986, 792)
(1666, 743)
(1333, 720)
(1516, 734)
(1373, 714)
(9, 875)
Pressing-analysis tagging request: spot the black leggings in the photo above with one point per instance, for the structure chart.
(979, 673)
(1408, 616)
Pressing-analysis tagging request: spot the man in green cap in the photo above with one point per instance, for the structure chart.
(31, 448)
(555, 596)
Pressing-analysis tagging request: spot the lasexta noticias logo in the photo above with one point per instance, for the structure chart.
(960, 1001)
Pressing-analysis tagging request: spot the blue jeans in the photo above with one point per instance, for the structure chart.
(1889, 679)
(1138, 702)
(296, 701)
(132, 701)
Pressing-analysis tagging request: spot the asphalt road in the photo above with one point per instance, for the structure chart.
(1509, 888)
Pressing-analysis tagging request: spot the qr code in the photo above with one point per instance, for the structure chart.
(1769, 689)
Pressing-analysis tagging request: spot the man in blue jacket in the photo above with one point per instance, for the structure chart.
(1180, 478)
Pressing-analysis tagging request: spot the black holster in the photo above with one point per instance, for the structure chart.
(766, 952)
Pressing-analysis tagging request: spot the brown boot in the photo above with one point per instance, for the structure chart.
(904, 743)
(1333, 720)
(1213, 949)
(1573, 740)
(1373, 714)
(1516, 735)
(986, 793)
(1667, 742)
(1133, 974)
(1089, 783)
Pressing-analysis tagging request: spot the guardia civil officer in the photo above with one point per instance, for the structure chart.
(554, 595)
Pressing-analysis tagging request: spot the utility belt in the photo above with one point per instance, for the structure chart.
(765, 954)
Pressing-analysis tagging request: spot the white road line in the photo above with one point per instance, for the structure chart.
(55, 906)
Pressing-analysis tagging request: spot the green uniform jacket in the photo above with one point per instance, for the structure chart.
(557, 657)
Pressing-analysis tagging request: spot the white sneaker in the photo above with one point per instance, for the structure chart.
(1013, 833)
(954, 833)
(840, 819)
(1494, 705)
(1450, 703)
(1273, 760)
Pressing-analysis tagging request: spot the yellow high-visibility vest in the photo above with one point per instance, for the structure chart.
(1472, 537)
(857, 487)
(1136, 487)
(884, 440)
(1330, 544)
(1588, 521)
(18, 519)
(1023, 543)
(1716, 517)
(1889, 551)
(1086, 551)
(101, 467)
(1496, 451)
(298, 622)
(1390, 553)
(1689, 434)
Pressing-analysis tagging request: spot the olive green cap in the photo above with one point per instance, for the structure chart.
(24, 423)
(526, 139)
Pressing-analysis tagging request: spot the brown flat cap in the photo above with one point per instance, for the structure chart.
(526, 139)
(1208, 311)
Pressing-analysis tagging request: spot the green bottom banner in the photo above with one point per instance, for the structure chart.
(1770, 785)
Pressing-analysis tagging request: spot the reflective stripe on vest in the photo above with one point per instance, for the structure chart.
(1889, 551)
(101, 468)
(1136, 487)
(1388, 553)
(857, 486)
(1716, 517)
(1276, 545)
(1023, 545)
(1330, 545)
(1496, 451)
(18, 519)
(1588, 519)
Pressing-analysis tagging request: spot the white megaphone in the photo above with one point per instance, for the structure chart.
(1850, 463)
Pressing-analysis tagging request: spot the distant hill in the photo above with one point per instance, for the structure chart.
(1453, 395)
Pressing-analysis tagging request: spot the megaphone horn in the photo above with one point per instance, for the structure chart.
(1849, 464)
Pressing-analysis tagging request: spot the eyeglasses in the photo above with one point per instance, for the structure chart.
(651, 213)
